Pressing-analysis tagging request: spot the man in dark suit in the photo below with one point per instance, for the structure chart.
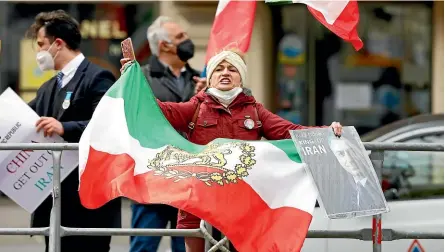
(172, 79)
(66, 103)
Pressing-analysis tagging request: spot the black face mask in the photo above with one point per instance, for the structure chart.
(185, 50)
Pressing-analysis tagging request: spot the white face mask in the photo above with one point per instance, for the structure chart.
(45, 60)
(225, 97)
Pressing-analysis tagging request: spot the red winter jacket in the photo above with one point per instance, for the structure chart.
(216, 121)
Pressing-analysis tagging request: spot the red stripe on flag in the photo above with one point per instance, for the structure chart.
(233, 26)
(235, 209)
(346, 24)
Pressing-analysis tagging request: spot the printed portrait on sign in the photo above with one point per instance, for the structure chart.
(342, 171)
(345, 153)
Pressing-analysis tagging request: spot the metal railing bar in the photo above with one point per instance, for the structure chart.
(403, 146)
(209, 237)
(366, 234)
(24, 231)
(361, 234)
(218, 245)
(55, 218)
(68, 231)
(402, 235)
(39, 146)
(368, 146)
(377, 157)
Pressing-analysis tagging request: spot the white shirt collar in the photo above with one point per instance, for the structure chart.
(73, 65)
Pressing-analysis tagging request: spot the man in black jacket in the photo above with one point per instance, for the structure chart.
(66, 104)
(173, 80)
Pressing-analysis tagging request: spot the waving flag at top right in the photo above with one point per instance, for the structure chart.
(339, 16)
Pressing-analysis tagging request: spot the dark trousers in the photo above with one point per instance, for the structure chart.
(218, 236)
(83, 243)
(153, 216)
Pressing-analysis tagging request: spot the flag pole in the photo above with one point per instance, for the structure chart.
(204, 72)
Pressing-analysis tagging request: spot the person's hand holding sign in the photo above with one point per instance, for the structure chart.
(337, 128)
(50, 126)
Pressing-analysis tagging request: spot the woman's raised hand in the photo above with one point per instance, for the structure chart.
(124, 63)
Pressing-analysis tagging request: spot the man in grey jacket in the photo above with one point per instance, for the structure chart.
(170, 76)
(173, 80)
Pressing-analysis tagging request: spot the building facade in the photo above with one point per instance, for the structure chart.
(303, 73)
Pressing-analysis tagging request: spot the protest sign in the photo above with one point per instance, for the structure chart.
(347, 183)
(26, 175)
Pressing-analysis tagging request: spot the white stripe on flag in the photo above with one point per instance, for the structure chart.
(221, 5)
(331, 10)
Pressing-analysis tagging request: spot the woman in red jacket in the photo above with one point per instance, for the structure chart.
(224, 110)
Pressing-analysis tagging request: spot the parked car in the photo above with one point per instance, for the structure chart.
(413, 184)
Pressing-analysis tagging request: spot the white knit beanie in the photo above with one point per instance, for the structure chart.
(232, 58)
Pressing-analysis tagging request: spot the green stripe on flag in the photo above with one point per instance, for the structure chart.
(288, 146)
(145, 120)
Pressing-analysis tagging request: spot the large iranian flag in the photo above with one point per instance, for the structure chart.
(255, 192)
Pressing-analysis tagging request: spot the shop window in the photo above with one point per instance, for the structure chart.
(393, 69)
(389, 79)
(292, 93)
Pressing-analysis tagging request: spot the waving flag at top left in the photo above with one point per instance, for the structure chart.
(232, 27)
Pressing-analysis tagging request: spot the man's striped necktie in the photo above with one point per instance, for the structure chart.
(59, 78)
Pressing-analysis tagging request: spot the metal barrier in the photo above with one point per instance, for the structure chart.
(55, 231)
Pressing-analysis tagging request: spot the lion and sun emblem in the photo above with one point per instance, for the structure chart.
(168, 163)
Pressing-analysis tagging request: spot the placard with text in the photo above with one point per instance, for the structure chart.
(26, 175)
(347, 183)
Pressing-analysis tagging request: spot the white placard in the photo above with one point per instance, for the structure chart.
(26, 176)
(347, 183)
(353, 96)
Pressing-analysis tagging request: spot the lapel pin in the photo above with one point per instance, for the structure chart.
(66, 103)
(249, 123)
